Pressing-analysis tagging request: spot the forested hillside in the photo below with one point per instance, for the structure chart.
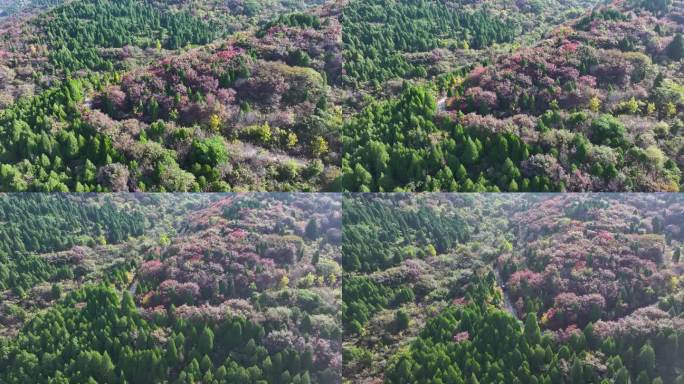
(35, 224)
(380, 36)
(74, 33)
(360, 95)
(544, 289)
(241, 288)
(595, 105)
(55, 243)
(182, 96)
(390, 243)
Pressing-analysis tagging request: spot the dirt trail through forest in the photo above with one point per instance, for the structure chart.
(508, 305)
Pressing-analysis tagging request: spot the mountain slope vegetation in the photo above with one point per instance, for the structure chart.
(595, 105)
(158, 96)
(217, 288)
(545, 288)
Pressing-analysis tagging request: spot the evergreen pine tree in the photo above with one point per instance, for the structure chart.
(675, 50)
(206, 341)
(532, 330)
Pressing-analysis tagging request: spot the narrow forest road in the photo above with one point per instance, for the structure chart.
(508, 305)
(133, 288)
(441, 104)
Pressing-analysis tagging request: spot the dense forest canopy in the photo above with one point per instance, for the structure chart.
(240, 114)
(42, 223)
(378, 236)
(401, 145)
(75, 31)
(219, 288)
(36, 158)
(592, 105)
(179, 96)
(35, 224)
(378, 35)
(369, 95)
(109, 342)
(546, 288)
